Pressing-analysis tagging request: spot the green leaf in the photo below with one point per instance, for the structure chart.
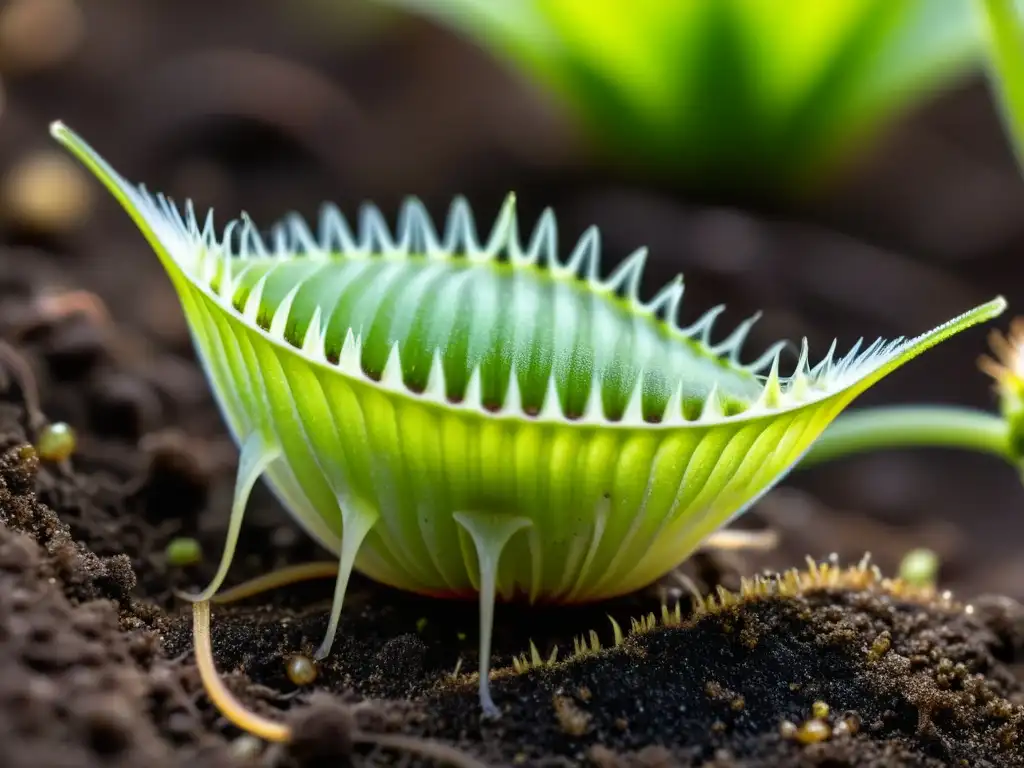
(750, 92)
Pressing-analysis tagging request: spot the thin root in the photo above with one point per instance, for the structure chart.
(423, 747)
(23, 376)
(283, 577)
(59, 306)
(222, 698)
(734, 540)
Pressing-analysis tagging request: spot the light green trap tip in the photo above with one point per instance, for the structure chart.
(458, 416)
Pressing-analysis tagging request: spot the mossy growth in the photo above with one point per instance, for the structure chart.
(842, 662)
(792, 583)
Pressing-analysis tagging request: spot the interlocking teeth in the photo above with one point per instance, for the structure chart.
(335, 235)
(585, 260)
(768, 357)
(666, 302)
(634, 413)
(416, 232)
(298, 230)
(712, 410)
(391, 377)
(513, 396)
(544, 242)
(374, 234)
(674, 407)
(730, 347)
(251, 242)
(625, 280)
(279, 322)
(771, 395)
(474, 390)
(552, 408)
(350, 359)
(460, 234)
(254, 300)
(593, 411)
(218, 266)
(314, 343)
(701, 329)
(502, 231)
(800, 384)
(436, 388)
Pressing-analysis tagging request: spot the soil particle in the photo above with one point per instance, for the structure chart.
(83, 574)
(322, 735)
(74, 685)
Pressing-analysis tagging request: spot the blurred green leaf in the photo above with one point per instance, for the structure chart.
(769, 92)
(1004, 37)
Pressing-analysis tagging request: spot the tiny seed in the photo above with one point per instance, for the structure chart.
(56, 442)
(919, 567)
(421, 624)
(819, 709)
(787, 729)
(301, 669)
(813, 731)
(183, 551)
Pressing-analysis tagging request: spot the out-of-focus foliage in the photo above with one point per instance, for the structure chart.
(1004, 38)
(760, 92)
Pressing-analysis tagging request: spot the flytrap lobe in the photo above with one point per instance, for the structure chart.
(458, 415)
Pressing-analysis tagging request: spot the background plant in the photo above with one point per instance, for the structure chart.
(773, 93)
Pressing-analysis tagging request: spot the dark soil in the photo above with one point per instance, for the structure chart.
(95, 653)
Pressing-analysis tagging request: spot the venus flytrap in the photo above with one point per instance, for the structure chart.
(770, 93)
(466, 416)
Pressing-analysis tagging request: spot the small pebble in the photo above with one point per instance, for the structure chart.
(301, 669)
(56, 442)
(246, 748)
(47, 192)
(813, 731)
(183, 551)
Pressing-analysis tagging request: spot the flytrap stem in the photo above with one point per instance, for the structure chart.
(912, 426)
